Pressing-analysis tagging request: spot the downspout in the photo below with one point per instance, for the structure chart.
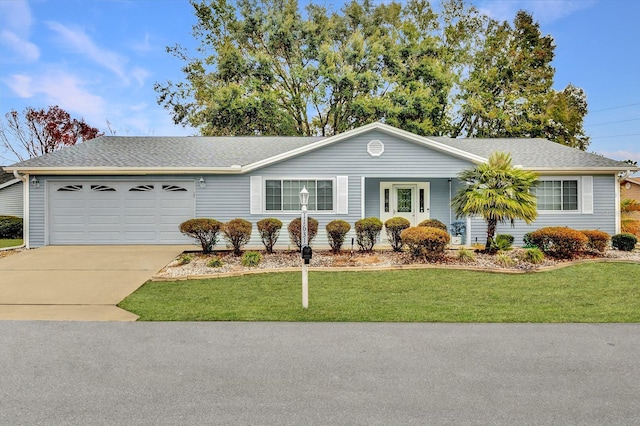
(25, 208)
(618, 213)
(450, 204)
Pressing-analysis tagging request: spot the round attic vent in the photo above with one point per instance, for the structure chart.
(375, 148)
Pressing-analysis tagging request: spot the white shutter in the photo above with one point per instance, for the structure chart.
(342, 191)
(587, 194)
(256, 194)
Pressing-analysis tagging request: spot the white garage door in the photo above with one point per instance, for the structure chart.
(117, 212)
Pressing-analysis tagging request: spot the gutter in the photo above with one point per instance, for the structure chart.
(25, 208)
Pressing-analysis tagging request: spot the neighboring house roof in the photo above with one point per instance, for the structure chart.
(7, 179)
(117, 154)
(630, 179)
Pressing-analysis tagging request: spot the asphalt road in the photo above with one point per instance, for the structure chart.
(78, 373)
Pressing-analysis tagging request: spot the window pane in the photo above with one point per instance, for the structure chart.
(404, 200)
(570, 195)
(274, 195)
(549, 193)
(325, 195)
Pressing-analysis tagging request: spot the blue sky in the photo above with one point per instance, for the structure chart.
(99, 59)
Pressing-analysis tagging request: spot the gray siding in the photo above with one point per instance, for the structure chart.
(603, 217)
(11, 200)
(349, 157)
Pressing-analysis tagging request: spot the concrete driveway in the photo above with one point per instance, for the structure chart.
(80, 283)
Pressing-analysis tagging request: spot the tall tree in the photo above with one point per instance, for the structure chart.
(508, 92)
(266, 67)
(38, 131)
(498, 192)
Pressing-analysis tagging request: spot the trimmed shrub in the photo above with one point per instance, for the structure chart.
(433, 223)
(215, 262)
(598, 240)
(10, 227)
(394, 227)
(465, 255)
(425, 241)
(532, 255)
(185, 259)
(624, 242)
(251, 259)
(204, 230)
(503, 241)
(336, 231)
(367, 231)
(238, 233)
(295, 231)
(561, 242)
(269, 230)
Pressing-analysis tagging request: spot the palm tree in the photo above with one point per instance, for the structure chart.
(498, 192)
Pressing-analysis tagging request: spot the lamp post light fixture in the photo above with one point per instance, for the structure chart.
(305, 251)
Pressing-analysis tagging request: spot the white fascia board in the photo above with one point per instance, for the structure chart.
(9, 183)
(575, 170)
(403, 134)
(128, 170)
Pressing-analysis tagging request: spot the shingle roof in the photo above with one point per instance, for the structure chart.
(176, 152)
(532, 153)
(5, 176)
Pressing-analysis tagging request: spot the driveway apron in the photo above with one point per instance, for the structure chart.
(81, 283)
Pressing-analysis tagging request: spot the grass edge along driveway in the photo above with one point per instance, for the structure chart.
(593, 292)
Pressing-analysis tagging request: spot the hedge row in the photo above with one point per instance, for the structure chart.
(564, 242)
(237, 233)
(10, 227)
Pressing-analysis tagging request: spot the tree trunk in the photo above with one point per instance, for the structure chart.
(492, 224)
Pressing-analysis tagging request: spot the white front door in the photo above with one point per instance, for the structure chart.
(404, 199)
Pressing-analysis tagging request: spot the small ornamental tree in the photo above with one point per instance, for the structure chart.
(204, 230)
(394, 227)
(367, 231)
(269, 230)
(295, 231)
(238, 233)
(497, 191)
(336, 231)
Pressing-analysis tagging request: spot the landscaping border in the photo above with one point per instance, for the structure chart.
(389, 268)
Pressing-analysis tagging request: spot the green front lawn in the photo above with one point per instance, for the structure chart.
(10, 243)
(595, 292)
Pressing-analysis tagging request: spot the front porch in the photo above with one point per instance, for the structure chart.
(415, 199)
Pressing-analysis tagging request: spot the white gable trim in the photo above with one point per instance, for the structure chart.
(385, 128)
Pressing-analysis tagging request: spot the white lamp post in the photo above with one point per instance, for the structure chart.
(304, 237)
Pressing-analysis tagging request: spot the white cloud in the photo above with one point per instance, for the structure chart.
(143, 46)
(63, 89)
(544, 11)
(140, 75)
(22, 47)
(79, 42)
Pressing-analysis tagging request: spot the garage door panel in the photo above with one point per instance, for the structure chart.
(118, 215)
